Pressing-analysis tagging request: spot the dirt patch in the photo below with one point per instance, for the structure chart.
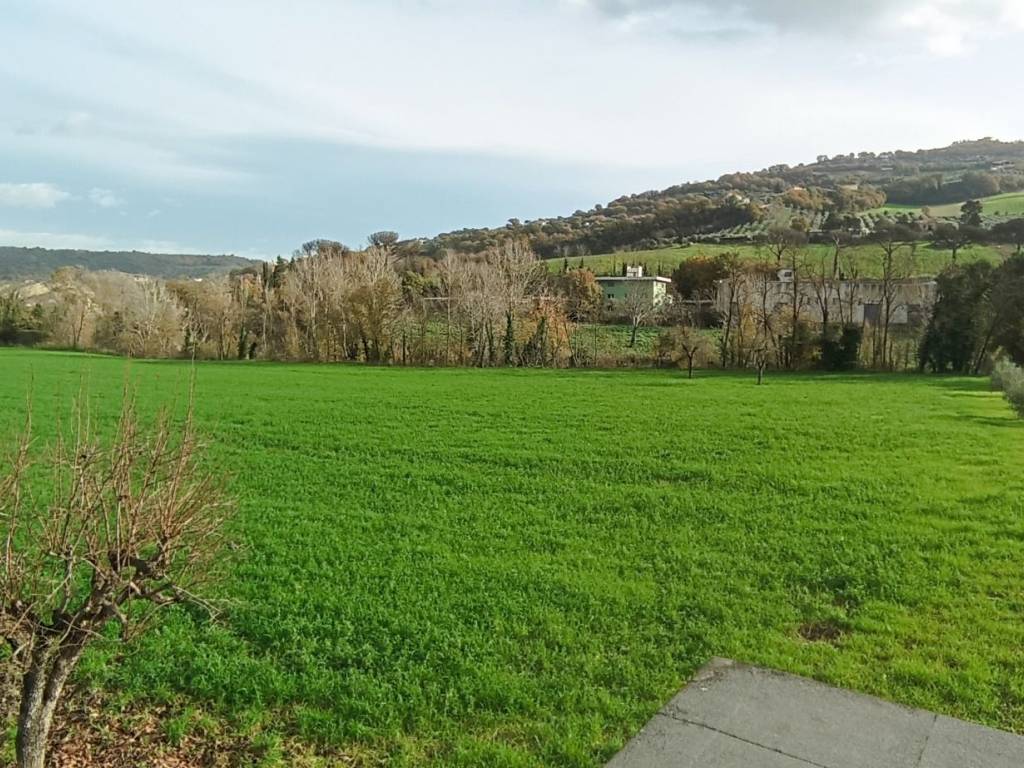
(826, 631)
(90, 731)
(91, 735)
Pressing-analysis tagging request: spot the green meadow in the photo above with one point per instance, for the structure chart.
(927, 260)
(1006, 205)
(519, 567)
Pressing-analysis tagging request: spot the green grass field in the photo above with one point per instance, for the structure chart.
(928, 260)
(519, 567)
(1000, 206)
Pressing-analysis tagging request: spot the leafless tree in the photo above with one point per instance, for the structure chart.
(129, 525)
(896, 252)
(798, 301)
(780, 242)
(732, 288)
(521, 277)
(374, 300)
(639, 307)
(823, 273)
(74, 309)
(686, 345)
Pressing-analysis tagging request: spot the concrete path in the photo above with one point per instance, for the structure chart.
(735, 716)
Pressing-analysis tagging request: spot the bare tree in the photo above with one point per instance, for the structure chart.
(130, 525)
(798, 301)
(639, 307)
(521, 277)
(374, 300)
(824, 277)
(687, 345)
(74, 309)
(897, 248)
(760, 356)
(780, 242)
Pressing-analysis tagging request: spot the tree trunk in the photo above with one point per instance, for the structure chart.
(41, 689)
(632, 335)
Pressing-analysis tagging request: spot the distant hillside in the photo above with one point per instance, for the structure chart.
(739, 206)
(39, 263)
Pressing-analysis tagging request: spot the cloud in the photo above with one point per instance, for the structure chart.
(18, 238)
(203, 104)
(86, 242)
(37, 195)
(944, 27)
(104, 198)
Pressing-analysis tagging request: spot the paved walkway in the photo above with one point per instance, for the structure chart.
(735, 716)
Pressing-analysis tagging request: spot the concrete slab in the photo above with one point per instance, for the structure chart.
(735, 716)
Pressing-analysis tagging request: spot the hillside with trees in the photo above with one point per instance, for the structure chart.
(739, 207)
(40, 263)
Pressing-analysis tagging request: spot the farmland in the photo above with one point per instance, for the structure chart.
(995, 208)
(928, 260)
(518, 567)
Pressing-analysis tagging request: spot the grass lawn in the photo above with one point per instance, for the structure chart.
(929, 261)
(519, 567)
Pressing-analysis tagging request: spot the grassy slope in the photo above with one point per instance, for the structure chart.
(511, 568)
(1009, 204)
(929, 261)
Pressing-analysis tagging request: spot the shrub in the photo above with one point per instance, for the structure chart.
(841, 354)
(1015, 394)
(1009, 378)
(1004, 373)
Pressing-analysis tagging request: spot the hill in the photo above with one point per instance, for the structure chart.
(39, 263)
(737, 207)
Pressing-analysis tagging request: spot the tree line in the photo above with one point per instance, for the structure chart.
(788, 307)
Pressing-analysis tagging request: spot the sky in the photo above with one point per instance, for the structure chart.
(249, 126)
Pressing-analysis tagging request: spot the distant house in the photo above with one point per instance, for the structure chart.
(652, 290)
(862, 300)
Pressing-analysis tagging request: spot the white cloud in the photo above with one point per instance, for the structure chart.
(943, 19)
(36, 195)
(21, 239)
(211, 104)
(88, 242)
(104, 198)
